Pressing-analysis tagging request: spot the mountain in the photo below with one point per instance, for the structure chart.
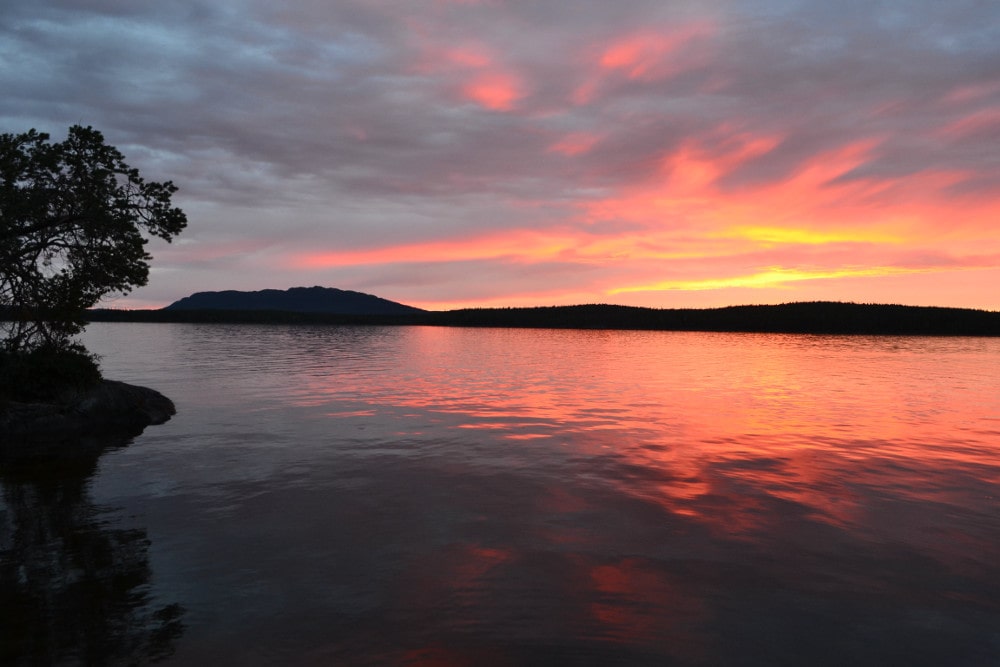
(295, 300)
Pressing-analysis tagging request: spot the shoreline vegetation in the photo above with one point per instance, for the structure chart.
(820, 317)
(74, 222)
(56, 404)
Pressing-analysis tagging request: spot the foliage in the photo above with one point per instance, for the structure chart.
(74, 222)
(44, 373)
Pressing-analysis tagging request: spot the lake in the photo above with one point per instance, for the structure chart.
(447, 496)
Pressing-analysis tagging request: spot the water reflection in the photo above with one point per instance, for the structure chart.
(397, 496)
(73, 587)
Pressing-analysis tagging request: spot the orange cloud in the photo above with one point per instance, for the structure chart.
(494, 90)
(987, 120)
(775, 236)
(685, 214)
(681, 232)
(523, 246)
(519, 245)
(772, 277)
(637, 54)
(647, 55)
(474, 70)
(681, 215)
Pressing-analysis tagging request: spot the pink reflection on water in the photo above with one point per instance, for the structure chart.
(639, 605)
(723, 425)
(649, 490)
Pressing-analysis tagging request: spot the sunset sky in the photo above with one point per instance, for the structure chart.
(450, 153)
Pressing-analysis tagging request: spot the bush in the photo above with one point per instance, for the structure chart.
(46, 374)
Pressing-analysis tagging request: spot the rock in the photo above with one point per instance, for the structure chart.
(117, 402)
(110, 409)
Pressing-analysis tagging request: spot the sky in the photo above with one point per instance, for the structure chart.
(455, 153)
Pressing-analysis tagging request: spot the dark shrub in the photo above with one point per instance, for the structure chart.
(46, 374)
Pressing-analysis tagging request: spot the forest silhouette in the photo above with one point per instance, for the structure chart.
(820, 317)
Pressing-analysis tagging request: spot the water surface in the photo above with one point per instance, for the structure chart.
(411, 495)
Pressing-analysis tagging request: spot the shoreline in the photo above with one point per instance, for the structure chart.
(31, 431)
(801, 318)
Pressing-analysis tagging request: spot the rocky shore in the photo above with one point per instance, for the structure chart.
(79, 421)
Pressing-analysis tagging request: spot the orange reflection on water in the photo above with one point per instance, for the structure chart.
(458, 571)
(639, 605)
(747, 435)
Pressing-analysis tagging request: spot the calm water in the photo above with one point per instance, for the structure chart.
(340, 495)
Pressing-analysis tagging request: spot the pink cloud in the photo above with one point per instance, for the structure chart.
(575, 143)
(468, 56)
(979, 122)
(474, 71)
(647, 55)
(496, 90)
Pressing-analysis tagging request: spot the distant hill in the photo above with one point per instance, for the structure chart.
(821, 317)
(295, 300)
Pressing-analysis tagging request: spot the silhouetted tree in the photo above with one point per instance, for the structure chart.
(74, 221)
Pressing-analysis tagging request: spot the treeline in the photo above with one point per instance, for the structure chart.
(812, 317)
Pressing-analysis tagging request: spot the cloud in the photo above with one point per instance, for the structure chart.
(626, 145)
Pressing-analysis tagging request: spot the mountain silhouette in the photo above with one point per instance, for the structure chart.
(295, 300)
